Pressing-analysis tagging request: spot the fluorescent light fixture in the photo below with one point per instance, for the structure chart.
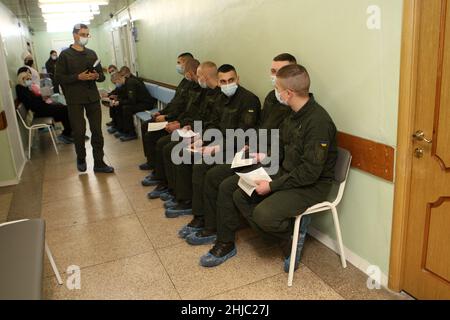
(61, 8)
(68, 16)
(96, 2)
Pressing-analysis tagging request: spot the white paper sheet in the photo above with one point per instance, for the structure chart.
(186, 133)
(247, 180)
(156, 126)
(239, 162)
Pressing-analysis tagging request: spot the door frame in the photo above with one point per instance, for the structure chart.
(406, 118)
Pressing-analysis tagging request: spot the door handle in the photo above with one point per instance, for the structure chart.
(420, 136)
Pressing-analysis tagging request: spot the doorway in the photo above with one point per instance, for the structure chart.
(420, 253)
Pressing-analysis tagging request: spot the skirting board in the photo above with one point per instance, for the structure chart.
(14, 181)
(351, 257)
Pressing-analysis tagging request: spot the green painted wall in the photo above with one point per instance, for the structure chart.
(14, 41)
(354, 70)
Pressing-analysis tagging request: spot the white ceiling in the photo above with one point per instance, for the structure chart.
(30, 13)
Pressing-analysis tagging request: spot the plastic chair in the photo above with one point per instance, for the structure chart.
(36, 123)
(342, 169)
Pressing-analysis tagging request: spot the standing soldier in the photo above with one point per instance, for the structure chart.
(77, 75)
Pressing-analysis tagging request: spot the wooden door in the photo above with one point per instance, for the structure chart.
(426, 262)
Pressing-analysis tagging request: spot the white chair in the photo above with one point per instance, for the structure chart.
(342, 169)
(36, 123)
(47, 249)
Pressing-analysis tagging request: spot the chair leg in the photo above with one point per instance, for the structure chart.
(29, 143)
(52, 262)
(294, 250)
(50, 130)
(339, 236)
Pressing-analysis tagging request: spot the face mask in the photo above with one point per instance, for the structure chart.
(83, 41)
(29, 63)
(187, 78)
(229, 89)
(28, 83)
(180, 69)
(280, 100)
(118, 85)
(54, 57)
(202, 84)
(273, 79)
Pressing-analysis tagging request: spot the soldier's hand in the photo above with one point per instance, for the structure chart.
(94, 75)
(262, 187)
(171, 127)
(84, 76)
(161, 118)
(259, 157)
(210, 150)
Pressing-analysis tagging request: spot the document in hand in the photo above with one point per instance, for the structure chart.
(247, 181)
(156, 126)
(186, 133)
(196, 147)
(239, 161)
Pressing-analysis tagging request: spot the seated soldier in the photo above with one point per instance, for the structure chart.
(239, 109)
(169, 113)
(136, 99)
(308, 153)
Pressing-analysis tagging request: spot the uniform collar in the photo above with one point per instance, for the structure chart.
(306, 108)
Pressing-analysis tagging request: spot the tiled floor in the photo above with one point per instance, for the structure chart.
(127, 249)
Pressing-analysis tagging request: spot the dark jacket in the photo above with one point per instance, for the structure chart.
(308, 148)
(175, 107)
(135, 93)
(29, 99)
(50, 66)
(68, 66)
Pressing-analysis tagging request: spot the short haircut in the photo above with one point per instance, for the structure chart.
(124, 71)
(226, 68)
(286, 57)
(53, 51)
(186, 55)
(78, 27)
(116, 76)
(296, 78)
(23, 69)
(112, 66)
(191, 66)
(210, 68)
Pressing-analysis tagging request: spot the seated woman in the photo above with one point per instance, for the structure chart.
(41, 108)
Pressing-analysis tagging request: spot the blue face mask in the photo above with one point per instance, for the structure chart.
(28, 83)
(180, 69)
(229, 89)
(280, 100)
(274, 80)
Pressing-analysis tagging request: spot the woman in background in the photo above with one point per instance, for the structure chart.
(41, 108)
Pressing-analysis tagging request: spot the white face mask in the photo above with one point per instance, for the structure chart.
(54, 57)
(83, 41)
(280, 100)
(229, 89)
(202, 84)
(180, 69)
(274, 80)
(28, 83)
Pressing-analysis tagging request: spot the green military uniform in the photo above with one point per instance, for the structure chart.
(308, 153)
(180, 176)
(171, 111)
(136, 99)
(241, 111)
(80, 96)
(194, 97)
(221, 181)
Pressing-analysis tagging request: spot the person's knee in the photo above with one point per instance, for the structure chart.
(263, 217)
(227, 187)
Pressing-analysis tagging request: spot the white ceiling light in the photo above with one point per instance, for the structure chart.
(95, 2)
(70, 7)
